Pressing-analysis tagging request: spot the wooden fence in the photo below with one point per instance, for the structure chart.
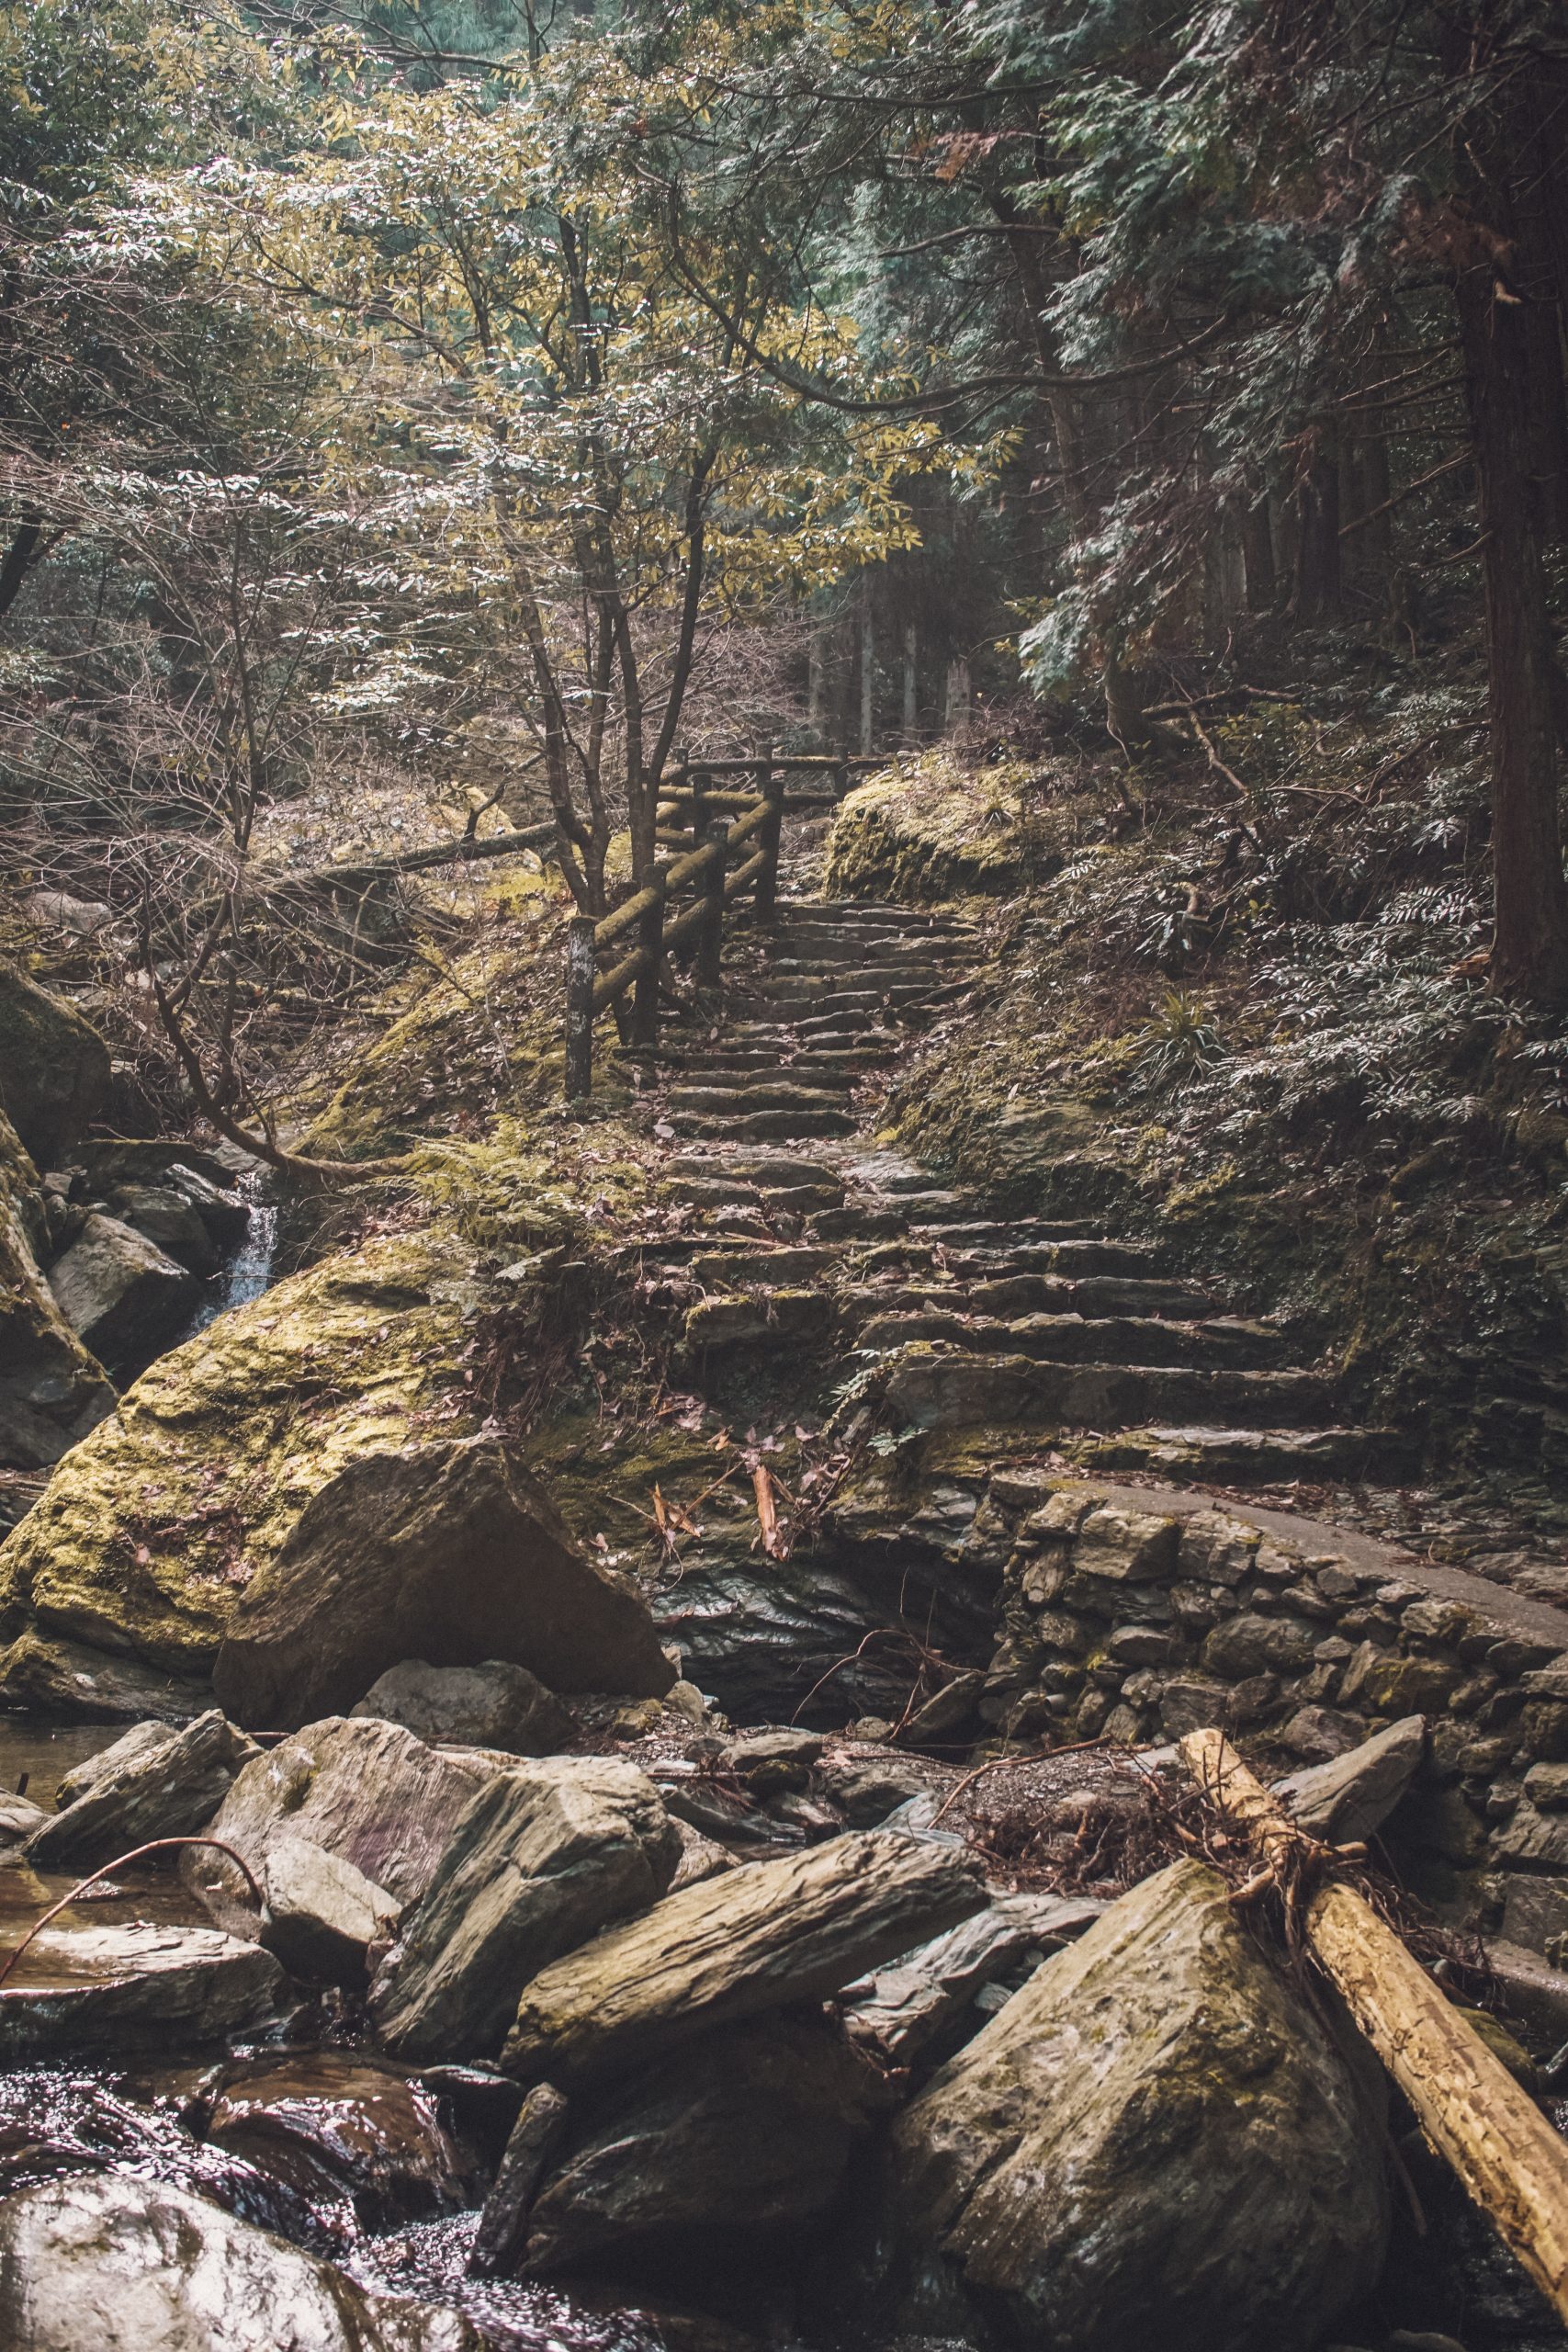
(705, 814)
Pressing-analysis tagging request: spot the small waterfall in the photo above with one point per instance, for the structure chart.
(249, 1271)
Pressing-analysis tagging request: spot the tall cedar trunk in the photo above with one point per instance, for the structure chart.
(1529, 957)
(1318, 539)
(1257, 534)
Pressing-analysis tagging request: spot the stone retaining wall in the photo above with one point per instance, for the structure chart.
(1140, 1623)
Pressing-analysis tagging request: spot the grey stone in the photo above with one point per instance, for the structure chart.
(119, 1293)
(772, 1760)
(447, 1552)
(1535, 1911)
(155, 1781)
(54, 1067)
(1546, 1785)
(1141, 1645)
(1251, 1645)
(1353, 1793)
(118, 2264)
(344, 2130)
(165, 1216)
(134, 1987)
(1318, 1733)
(1154, 2142)
(868, 1790)
(1192, 1702)
(701, 1857)
(18, 1819)
(323, 1916)
(1127, 1546)
(494, 1704)
(1216, 1549)
(1539, 1840)
(542, 1859)
(57, 1678)
(368, 1792)
(744, 2140)
(504, 2224)
(763, 1937)
(896, 2012)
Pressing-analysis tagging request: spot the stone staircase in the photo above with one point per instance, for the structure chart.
(809, 1237)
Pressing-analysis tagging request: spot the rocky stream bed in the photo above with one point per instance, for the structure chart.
(419, 1931)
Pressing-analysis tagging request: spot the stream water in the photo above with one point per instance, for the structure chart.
(250, 1269)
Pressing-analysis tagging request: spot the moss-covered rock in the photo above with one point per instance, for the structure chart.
(55, 1066)
(929, 829)
(52, 1390)
(154, 1526)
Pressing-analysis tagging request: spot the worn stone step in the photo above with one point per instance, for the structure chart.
(1248, 1456)
(829, 1082)
(934, 1388)
(1130, 1339)
(791, 978)
(785, 1266)
(766, 1168)
(805, 951)
(1012, 1248)
(1010, 1294)
(858, 1221)
(761, 1127)
(771, 1316)
(719, 1193)
(732, 1101)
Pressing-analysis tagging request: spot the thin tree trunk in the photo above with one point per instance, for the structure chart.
(1257, 554)
(867, 673)
(912, 699)
(1317, 541)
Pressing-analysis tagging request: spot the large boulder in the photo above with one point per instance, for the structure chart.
(449, 1553)
(119, 1293)
(139, 1986)
(120, 2264)
(55, 1677)
(52, 1390)
(494, 1704)
(154, 1782)
(760, 1938)
(342, 2128)
(543, 1857)
(1154, 2141)
(368, 1792)
(323, 1916)
(711, 2155)
(54, 1067)
(1352, 1794)
(153, 1528)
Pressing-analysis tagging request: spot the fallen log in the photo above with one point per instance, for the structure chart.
(1504, 2149)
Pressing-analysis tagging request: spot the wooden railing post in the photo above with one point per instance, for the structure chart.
(700, 780)
(645, 992)
(710, 947)
(579, 1008)
(771, 783)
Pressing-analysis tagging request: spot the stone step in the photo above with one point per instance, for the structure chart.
(1015, 1295)
(805, 950)
(975, 1249)
(789, 978)
(1244, 1456)
(720, 1194)
(934, 1388)
(771, 1316)
(858, 1221)
(766, 1168)
(761, 1126)
(835, 1082)
(781, 1267)
(1142, 1341)
(730, 1101)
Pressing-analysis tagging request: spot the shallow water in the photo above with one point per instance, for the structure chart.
(250, 1271)
(36, 1753)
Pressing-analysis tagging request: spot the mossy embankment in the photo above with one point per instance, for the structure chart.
(1247, 1014)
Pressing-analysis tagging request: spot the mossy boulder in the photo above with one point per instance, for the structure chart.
(929, 829)
(52, 1390)
(153, 1527)
(54, 1067)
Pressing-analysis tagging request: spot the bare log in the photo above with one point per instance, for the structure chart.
(1510, 2158)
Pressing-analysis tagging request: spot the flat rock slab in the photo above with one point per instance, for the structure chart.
(901, 2007)
(138, 1986)
(759, 1938)
(155, 1781)
(494, 1704)
(322, 1915)
(1154, 2142)
(541, 1860)
(120, 2265)
(1351, 1795)
(448, 1553)
(369, 1793)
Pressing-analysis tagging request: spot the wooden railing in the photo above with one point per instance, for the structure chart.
(709, 824)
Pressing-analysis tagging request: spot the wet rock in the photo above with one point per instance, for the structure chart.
(701, 1857)
(450, 1553)
(154, 1782)
(138, 1986)
(53, 1677)
(322, 1915)
(900, 2009)
(118, 1292)
(18, 1819)
(542, 1859)
(732, 2143)
(165, 1216)
(52, 1390)
(1352, 1795)
(336, 2128)
(504, 2224)
(1154, 2142)
(493, 1705)
(761, 1938)
(54, 1067)
(123, 2265)
(369, 1793)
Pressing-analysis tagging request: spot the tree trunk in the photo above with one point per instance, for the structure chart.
(912, 700)
(1529, 956)
(1318, 539)
(1257, 554)
(867, 673)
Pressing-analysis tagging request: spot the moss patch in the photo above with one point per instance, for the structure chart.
(929, 829)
